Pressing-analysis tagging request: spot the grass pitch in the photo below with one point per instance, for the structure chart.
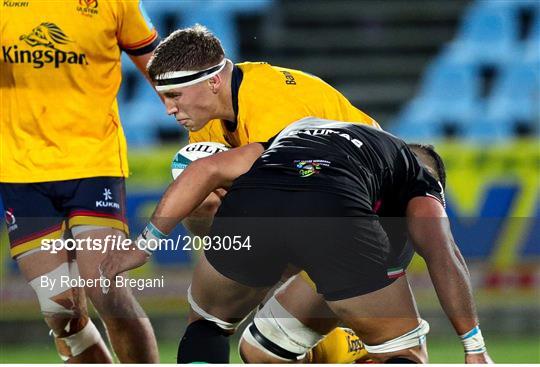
(520, 349)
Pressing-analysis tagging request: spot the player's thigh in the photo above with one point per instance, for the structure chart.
(344, 256)
(32, 218)
(245, 258)
(88, 259)
(119, 301)
(38, 263)
(46, 269)
(96, 208)
(223, 297)
(381, 315)
(299, 297)
(348, 260)
(96, 212)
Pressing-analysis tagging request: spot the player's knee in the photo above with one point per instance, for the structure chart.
(115, 306)
(407, 348)
(277, 335)
(74, 332)
(57, 299)
(206, 337)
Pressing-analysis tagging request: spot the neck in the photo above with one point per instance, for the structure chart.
(226, 111)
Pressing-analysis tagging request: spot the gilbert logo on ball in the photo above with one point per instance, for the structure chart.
(192, 152)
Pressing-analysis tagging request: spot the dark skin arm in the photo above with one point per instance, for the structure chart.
(185, 194)
(429, 231)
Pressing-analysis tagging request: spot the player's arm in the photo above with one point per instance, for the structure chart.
(140, 62)
(182, 196)
(199, 222)
(136, 35)
(429, 231)
(200, 179)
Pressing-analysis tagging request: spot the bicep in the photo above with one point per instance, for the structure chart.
(236, 162)
(428, 227)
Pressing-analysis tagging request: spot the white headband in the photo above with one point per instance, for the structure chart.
(178, 79)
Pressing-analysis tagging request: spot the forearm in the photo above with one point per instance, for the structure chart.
(451, 280)
(184, 195)
(429, 231)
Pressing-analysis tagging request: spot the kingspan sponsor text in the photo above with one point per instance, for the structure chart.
(39, 58)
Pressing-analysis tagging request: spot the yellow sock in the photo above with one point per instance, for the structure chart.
(340, 346)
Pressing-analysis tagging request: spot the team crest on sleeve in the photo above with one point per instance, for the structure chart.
(310, 167)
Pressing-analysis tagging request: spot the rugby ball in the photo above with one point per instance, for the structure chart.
(192, 152)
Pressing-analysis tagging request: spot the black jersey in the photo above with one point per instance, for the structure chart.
(374, 169)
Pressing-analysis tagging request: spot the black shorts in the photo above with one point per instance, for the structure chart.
(342, 247)
(37, 211)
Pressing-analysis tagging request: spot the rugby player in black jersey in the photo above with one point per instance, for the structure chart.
(312, 200)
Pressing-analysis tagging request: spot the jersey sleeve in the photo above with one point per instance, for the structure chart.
(418, 181)
(135, 32)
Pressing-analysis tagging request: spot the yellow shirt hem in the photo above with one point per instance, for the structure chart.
(60, 176)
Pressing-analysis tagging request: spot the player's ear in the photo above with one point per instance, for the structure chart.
(215, 83)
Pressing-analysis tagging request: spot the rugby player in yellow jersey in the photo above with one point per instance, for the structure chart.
(63, 162)
(238, 104)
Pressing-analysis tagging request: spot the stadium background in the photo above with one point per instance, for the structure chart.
(463, 75)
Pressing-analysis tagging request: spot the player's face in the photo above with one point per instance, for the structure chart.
(192, 106)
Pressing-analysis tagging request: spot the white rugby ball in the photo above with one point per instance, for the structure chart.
(192, 152)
